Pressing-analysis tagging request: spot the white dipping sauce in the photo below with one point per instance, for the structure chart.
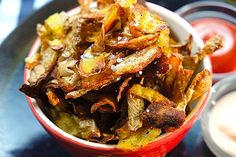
(222, 123)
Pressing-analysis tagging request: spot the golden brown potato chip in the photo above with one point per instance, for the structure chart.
(124, 131)
(139, 139)
(175, 64)
(184, 49)
(91, 64)
(143, 22)
(56, 44)
(46, 63)
(211, 45)
(190, 62)
(52, 97)
(200, 84)
(32, 61)
(111, 17)
(126, 3)
(66, 75)
(149, 94)
(135, 110)
(54, 24)
(80, 127)
(137, 61)
(104, 3)
(135, 43)
(182, 79)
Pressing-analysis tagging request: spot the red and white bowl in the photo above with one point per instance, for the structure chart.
(160, 146)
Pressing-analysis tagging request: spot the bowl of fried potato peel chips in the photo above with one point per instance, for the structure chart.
(118, 78)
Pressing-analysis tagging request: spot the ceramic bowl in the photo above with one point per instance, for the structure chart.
(160, 146)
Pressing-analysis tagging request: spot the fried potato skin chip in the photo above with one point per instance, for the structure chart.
(85, 4)
(180, 84)
(135, 109)
(81, 127)
(160, 115)
(211, 45)
(111, 17)
(143, 22)
(137, 61)
(139, 139)
(175, 63)
(45, 66)
(101, 105)
(200, 84)
(149, 94)
(135, 43)
(122, 88)
(91, 64)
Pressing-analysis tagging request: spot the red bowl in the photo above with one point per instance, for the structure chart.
(160, 146)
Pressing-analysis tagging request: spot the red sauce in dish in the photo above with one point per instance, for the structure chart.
(224, 60)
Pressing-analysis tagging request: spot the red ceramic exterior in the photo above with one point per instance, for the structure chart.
(156, 148)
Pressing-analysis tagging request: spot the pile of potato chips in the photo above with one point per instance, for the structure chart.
(113, 74)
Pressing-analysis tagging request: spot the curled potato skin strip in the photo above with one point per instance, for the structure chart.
(213, 44)
(122, 88)
(100, 105)
(149, 94)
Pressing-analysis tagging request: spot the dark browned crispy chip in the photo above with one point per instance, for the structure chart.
(108, 138)
(160, 115)
(32, 91)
